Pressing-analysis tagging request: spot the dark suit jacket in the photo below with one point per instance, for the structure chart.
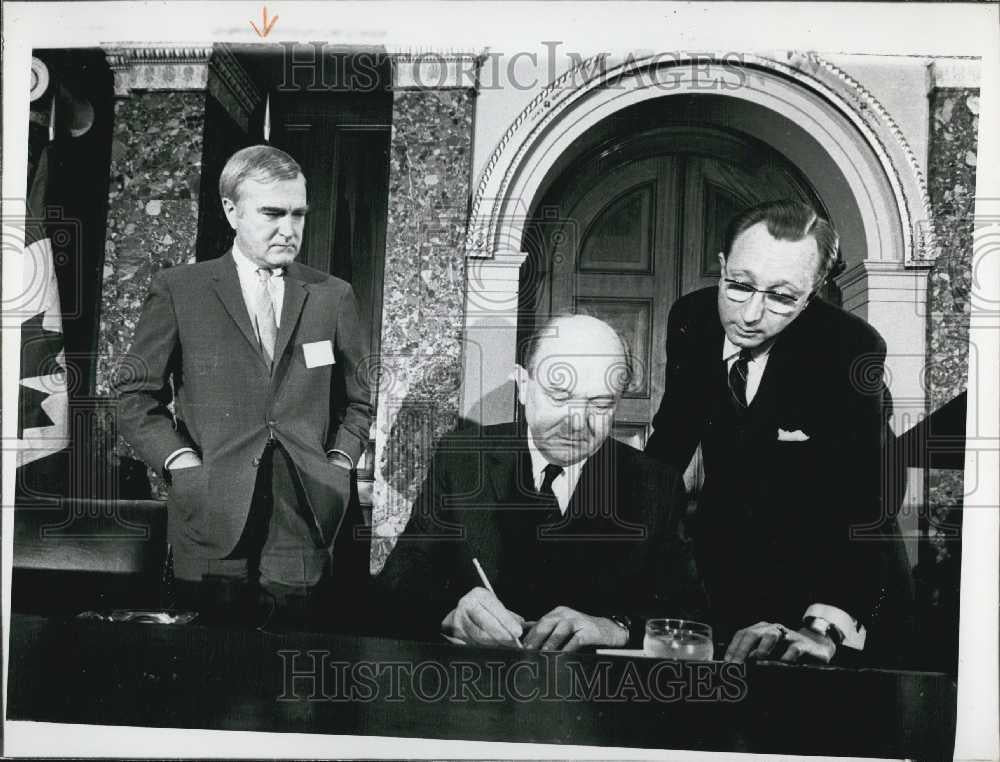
(616, 552)
(195, 346)
(773, 530)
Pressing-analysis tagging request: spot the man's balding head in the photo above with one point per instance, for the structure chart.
(575, 370)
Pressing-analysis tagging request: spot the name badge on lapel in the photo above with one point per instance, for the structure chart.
(318, 353)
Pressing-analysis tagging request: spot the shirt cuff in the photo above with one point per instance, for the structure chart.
(854, 633)
(173, 456)
(341, 452)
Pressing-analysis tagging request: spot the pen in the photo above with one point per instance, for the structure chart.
(488, 586)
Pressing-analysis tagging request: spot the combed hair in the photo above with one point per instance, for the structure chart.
(544, 330)
(789, 220)
(260, 163)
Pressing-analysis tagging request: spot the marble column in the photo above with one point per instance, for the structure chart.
(155, 182)
(954, 128)
(422, 314)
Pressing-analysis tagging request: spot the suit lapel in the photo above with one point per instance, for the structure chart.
(502, 466)
(789, 371)
(496, 529)
(593, 509)
(712, 336)
(226, 284)
(291, 310)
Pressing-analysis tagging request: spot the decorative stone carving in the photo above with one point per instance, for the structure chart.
(434, 71)
(232, 87)
(186, 69)
(955, 72)
(921, 240)
(589, 82)
(158, 68)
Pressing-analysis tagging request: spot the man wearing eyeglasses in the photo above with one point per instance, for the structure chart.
(784, 393)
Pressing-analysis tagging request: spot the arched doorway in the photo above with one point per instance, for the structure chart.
(828, 126)
(636, 221)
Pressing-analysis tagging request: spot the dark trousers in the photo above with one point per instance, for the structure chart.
(279, 570)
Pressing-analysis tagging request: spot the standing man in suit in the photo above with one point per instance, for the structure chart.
(576, 532)
(785, 394)
(246, 394)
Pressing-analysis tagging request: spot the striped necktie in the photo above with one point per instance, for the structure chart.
(267, 325)
(738, 373)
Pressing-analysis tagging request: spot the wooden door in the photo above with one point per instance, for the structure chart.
(341, 140)
(638, 222)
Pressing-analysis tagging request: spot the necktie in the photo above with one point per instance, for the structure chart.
(550, 472)
(552, 519)
(738, 378)
(267, 326)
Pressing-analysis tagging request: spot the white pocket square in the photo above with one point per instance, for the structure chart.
(792, 436)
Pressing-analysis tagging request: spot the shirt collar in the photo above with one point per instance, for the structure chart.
(538, 464)
(730, 350)
(246, 267)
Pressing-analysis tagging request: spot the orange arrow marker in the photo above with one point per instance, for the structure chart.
(268, 25)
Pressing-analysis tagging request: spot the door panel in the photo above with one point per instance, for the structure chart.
(341, 141)
(620, 239)
(633, 319)
(715, 191)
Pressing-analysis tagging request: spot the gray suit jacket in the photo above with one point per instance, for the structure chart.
(195, 346)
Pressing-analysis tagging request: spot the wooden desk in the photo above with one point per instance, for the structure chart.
(202, 677)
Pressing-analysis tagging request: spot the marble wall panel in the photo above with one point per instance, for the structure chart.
(155, 180)
(424, 293)
(954, 129)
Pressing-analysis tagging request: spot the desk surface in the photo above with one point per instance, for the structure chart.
(203, 677)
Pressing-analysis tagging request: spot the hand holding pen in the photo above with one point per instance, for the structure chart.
(515, 633)
(482, 619)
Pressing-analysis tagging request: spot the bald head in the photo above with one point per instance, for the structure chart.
(576, 369)
(568, 338)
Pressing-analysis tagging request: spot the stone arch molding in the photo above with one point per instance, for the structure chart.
(851, 125)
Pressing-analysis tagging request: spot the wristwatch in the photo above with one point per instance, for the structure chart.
(822, 626)
(622, 621)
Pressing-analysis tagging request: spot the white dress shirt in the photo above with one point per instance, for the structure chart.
(854, 634)
(246, 270)
(563, 485)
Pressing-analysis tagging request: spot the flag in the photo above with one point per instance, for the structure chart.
(43, 401)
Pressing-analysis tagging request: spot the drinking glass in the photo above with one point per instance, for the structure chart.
(678, 639)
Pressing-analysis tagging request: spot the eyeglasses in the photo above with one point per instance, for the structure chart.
(779, 304)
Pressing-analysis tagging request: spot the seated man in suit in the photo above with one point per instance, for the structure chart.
(576, 532)
(784, 392)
